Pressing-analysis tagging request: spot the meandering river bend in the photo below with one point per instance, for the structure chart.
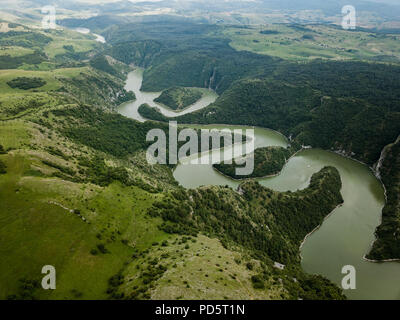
(344, 237)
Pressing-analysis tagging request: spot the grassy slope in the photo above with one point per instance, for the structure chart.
(51, 77)
(38, 226)
(60, 39)
(36, 49)
(202, 269)
(37, 229)
(42, 233)
(48, 233)
(38, 233)
(75, 83)
(15, 51)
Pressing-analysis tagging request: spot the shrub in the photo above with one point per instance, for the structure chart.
(258, 283)
(2, 167)
(102, 248)
(25, 83)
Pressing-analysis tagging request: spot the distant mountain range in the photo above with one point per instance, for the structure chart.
(384, 8)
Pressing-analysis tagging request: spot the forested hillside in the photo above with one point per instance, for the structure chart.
(387, 245)
(270, 225)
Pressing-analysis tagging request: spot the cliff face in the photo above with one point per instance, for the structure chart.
(387, 244)
(378, 165)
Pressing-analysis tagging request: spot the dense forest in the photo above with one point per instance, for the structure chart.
(100, 62)
(152, 113)
(267, 161)
(303, 105)
(25, 83)
(169, 49)
(105, 131)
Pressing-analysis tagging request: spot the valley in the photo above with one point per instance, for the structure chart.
(355, 221)
(78, 192)
(91, 207)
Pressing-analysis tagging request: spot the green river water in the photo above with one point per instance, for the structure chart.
(344, 237)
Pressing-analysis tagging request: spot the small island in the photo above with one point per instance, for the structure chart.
(267, 161)
(179, 98)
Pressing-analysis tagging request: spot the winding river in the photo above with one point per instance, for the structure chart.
(344, 237)
(134, 82)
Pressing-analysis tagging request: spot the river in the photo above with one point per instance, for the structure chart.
(344, 237)
(134, 82)
(99, 38)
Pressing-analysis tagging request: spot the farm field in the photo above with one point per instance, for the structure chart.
(308, 42)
